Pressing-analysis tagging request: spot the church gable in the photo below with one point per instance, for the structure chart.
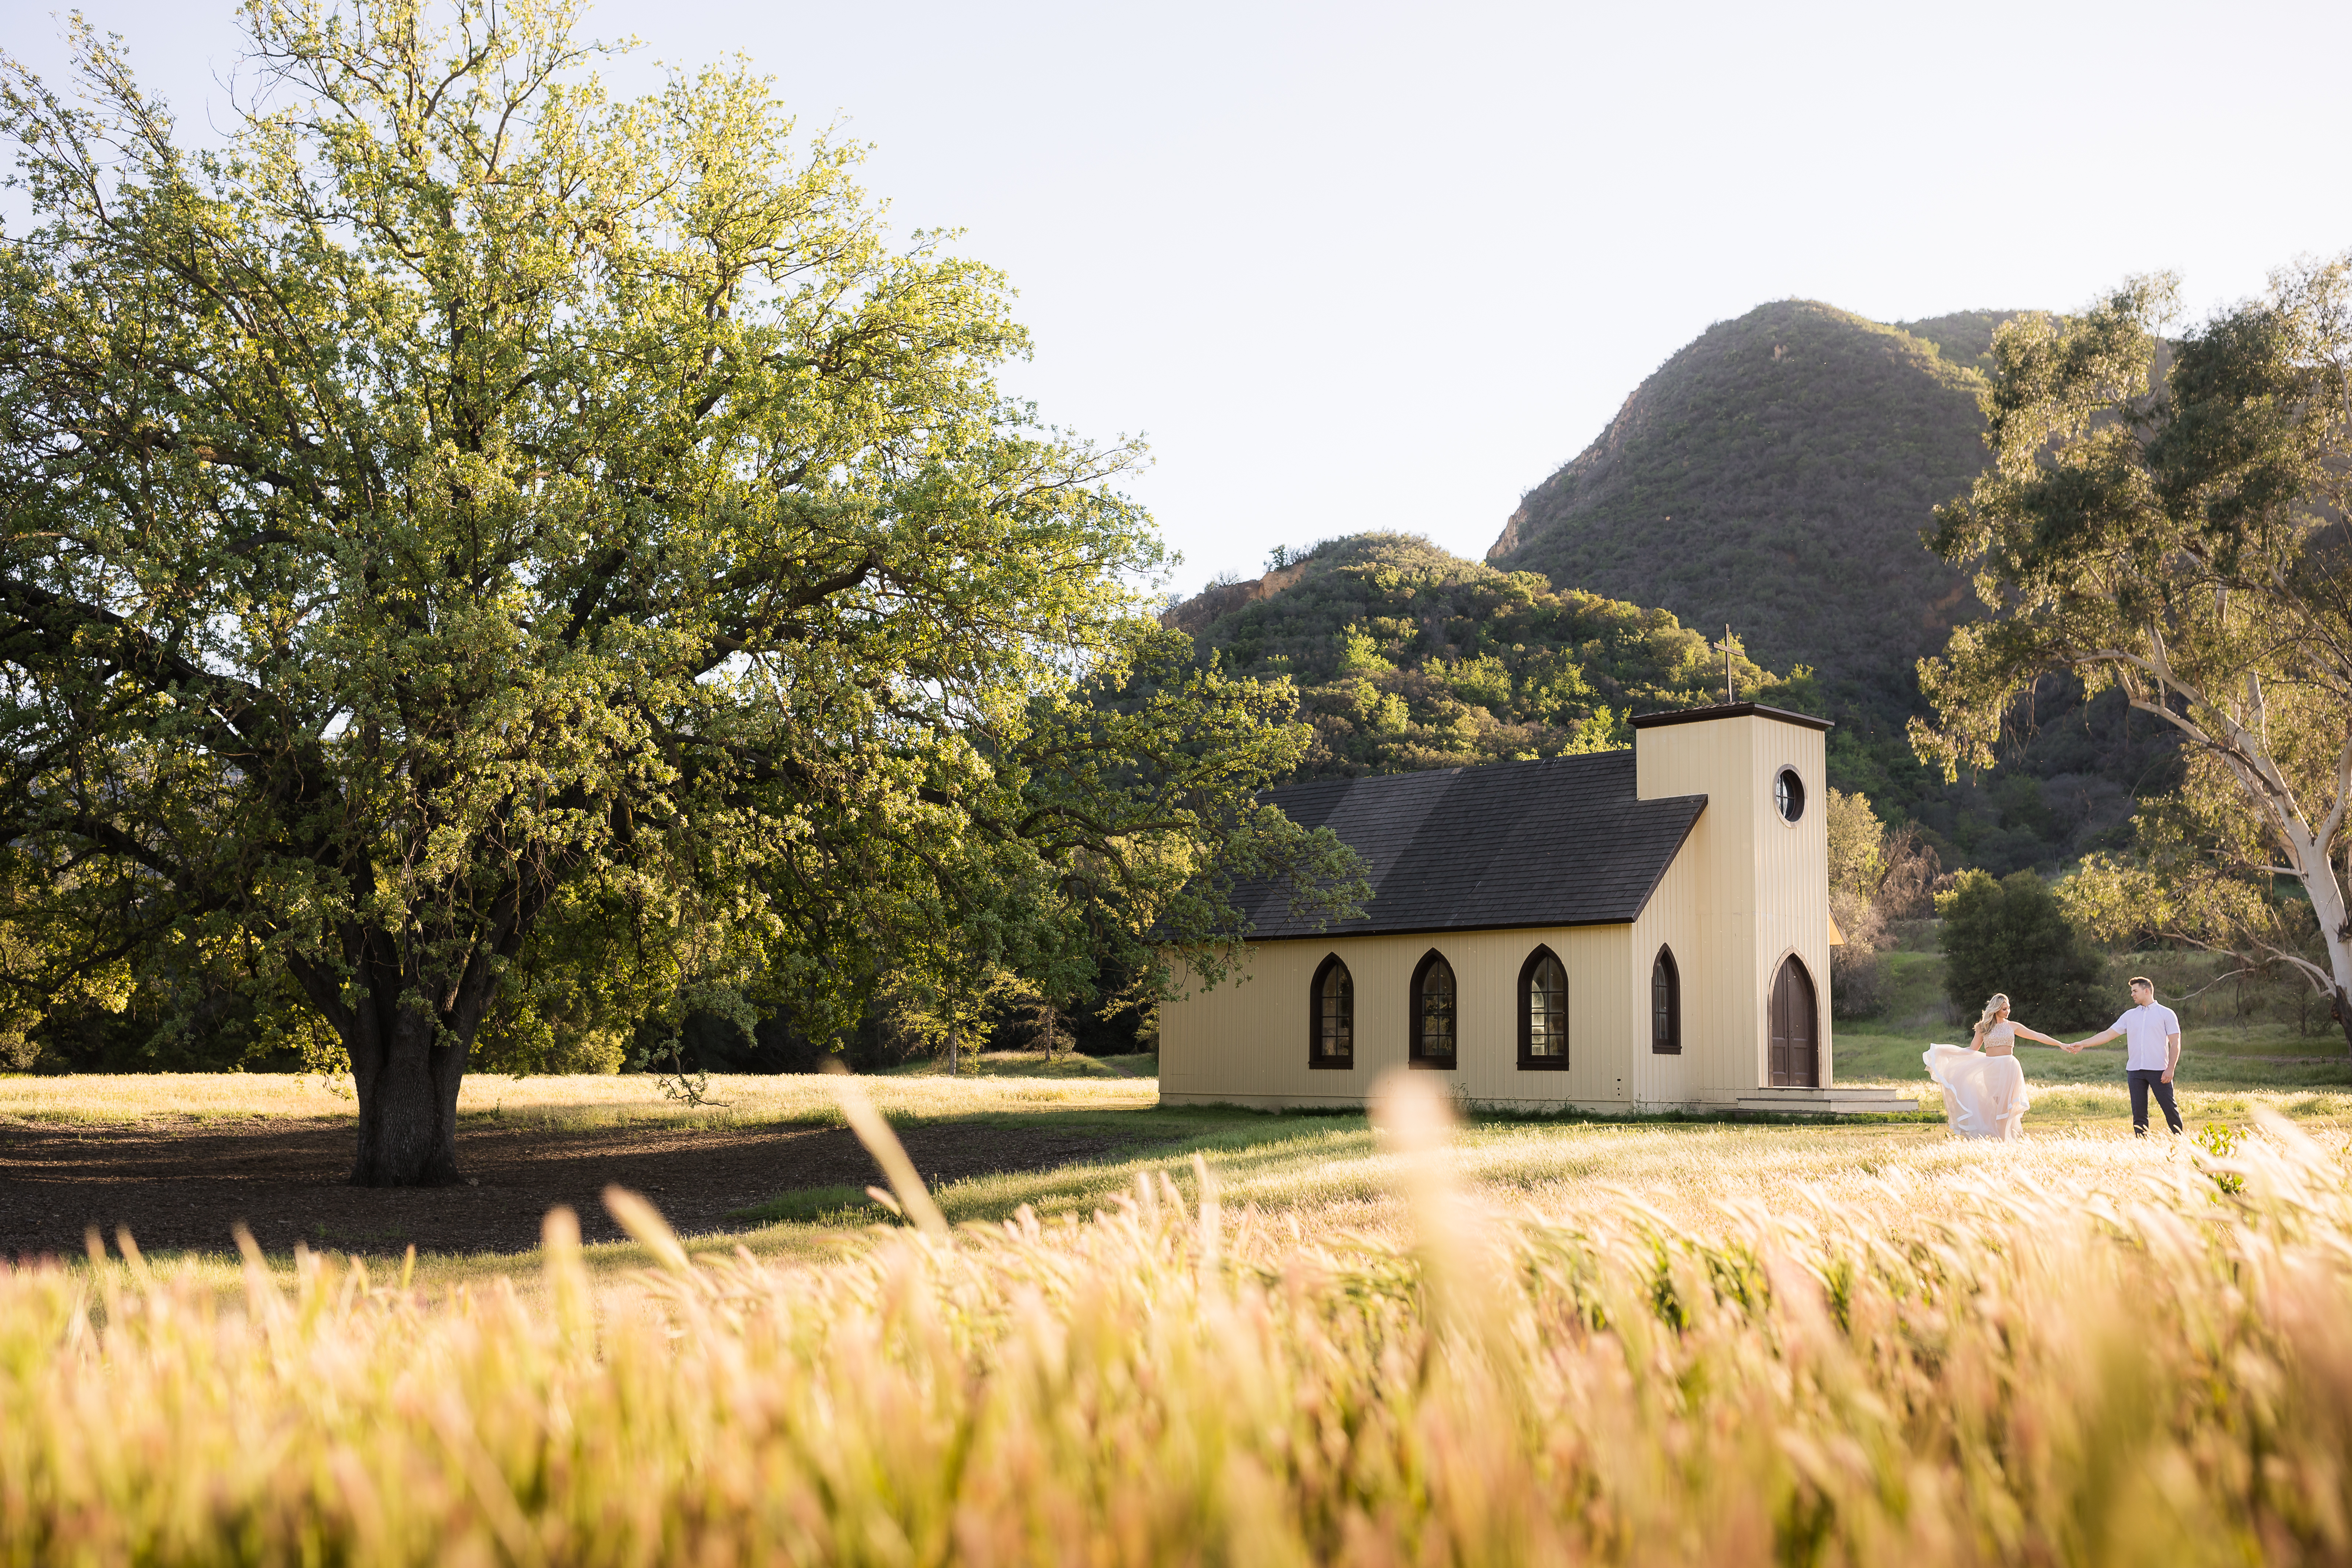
(1562, 842)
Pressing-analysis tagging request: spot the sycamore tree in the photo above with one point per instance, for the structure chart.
(2165, 514)
(461, 500)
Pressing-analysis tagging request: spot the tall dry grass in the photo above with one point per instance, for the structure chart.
(2157, 1373)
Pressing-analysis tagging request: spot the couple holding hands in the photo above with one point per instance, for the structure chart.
(1984, 1088)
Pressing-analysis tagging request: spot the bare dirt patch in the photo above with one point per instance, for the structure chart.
(184, 1185)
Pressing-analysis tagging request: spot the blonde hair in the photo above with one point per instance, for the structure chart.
(1993, 1003)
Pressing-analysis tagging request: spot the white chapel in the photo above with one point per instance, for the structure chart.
(1624, 931)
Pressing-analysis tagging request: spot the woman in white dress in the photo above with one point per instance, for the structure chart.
(1984, 1088)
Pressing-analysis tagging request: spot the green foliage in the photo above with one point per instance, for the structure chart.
(2169, 521)
(2013, 936)
(491, 529)
(2219, 1140)
(1876, 876)
(2195, 877)
(1406, 657)
(1857, 848)
(1857, 863)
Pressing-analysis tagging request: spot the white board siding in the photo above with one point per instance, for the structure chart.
(1246, 1041)
(1760, 887)
(1673, 920)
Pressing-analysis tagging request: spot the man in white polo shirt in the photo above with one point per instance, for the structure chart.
(2153, 1051)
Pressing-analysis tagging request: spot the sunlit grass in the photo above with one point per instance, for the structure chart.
(1035, 1064)
(578, 1101)
(2267, 1055)
(1328, 1171)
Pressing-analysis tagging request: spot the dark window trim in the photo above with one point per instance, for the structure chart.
(1413, 1058)
(1673, 1045)
(1315, 1057)
(1529, 1062)
(1798, 795)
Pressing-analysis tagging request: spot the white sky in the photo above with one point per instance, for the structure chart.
(1381, 265)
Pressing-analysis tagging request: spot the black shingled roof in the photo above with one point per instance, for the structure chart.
(1555, 843)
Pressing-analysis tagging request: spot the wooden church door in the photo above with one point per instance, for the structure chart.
(1796, 1043)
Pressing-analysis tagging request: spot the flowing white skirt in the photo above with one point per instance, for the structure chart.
(1984, 1097)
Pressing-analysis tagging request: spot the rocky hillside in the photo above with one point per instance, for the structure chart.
(1774, 475)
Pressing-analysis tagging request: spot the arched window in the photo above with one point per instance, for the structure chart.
(1665, 1005)
(1433, 1039)
(1331, 1014)
(1543, 1012)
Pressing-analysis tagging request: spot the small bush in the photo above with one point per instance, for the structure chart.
(1858, 986)
(2013, 936)
(2220, 1141)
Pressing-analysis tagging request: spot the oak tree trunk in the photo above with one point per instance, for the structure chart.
(408, 1061)
(408, 1107)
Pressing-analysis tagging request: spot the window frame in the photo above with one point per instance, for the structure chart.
(1314, 1058)
(1528, 1060)
(1674, 970)
(1796, 791)
(1414, 1057)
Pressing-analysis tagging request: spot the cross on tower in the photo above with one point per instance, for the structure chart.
(1724, 647)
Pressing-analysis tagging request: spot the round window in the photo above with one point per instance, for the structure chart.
(1788, 794)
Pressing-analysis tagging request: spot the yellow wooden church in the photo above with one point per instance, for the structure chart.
(1629, 930)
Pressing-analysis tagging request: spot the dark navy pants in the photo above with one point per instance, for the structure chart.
(2142, 1081)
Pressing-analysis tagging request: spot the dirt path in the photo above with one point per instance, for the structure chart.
(183, 1186)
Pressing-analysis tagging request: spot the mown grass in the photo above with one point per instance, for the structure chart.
(1634, 1342)
(2269, 1057)
(578, 1101)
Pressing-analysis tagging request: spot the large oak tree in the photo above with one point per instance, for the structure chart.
(2167, 515)
(461, 497)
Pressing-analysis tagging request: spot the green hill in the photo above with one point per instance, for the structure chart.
(1774, 475)
(1407, 657)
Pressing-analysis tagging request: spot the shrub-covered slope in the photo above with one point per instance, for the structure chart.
(1774, 475)
(1407, 657)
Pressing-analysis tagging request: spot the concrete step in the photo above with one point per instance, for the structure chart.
(1837, 1102)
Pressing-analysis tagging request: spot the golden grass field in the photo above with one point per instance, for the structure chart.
(1324, 1168)
(1250, 1339)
